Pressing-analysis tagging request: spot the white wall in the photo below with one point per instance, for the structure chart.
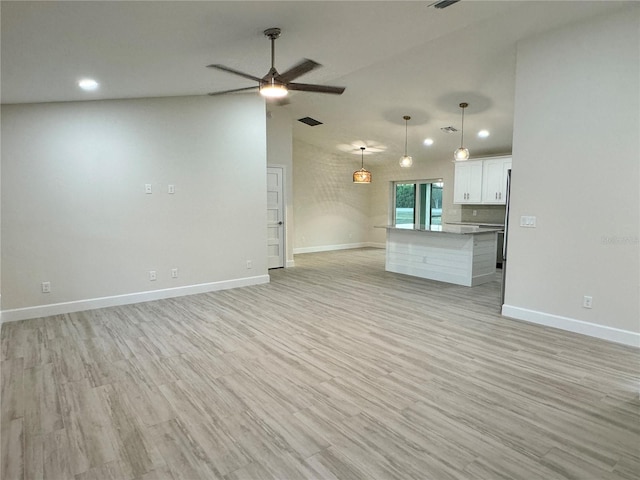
(74, 210)
(575, 167)
(330, 211)
(280, 153)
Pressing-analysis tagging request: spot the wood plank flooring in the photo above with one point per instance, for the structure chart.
(335, 370)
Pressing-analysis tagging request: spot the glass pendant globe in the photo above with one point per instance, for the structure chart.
(461, 154)
(406, 161)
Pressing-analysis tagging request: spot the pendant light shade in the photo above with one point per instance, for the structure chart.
(461, 154)
(406, 161)
(362, 175)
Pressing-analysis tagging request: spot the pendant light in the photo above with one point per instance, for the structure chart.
(362, 175)
(406, 161)
(461, 154)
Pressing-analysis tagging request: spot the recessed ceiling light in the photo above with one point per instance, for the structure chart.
(428, 142)
(483, 133)
(88, 84)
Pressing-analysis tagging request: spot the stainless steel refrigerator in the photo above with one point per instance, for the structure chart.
(505, 243)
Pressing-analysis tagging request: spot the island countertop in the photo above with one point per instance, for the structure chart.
(451, 229)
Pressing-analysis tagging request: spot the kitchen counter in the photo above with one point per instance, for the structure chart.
(478, 224)
(456, 229)
(460, 254)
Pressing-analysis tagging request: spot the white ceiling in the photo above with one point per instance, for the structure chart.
(395, 58)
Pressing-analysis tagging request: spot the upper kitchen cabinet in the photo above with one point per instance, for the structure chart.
(481, 181)
(494, 180)
(468, 182)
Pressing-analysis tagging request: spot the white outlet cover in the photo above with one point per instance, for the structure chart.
(528, 221)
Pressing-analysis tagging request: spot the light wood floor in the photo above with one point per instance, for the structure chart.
(334, 370)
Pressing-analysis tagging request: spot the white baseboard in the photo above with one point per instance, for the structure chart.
(603, 332)
(289, 264)
(114, 301)
(343, 246)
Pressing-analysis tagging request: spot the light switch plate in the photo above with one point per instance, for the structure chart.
(528, 221)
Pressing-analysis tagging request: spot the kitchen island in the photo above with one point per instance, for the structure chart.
(460, 254)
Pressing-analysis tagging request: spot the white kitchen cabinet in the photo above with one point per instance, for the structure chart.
(494, 180)
(468, 182)
(479, 182)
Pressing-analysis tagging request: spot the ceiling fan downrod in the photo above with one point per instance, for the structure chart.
(273, 34)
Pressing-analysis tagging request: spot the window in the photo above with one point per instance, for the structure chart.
(405, 204)
(418, 202)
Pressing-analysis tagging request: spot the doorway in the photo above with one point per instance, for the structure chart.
(275, 217)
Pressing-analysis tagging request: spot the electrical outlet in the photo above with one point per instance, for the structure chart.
(475, 213)
(46, 287)
(171, 189)
(147, 188)
(587, 301)
(174, 273)
(152, 275)
(249, 264)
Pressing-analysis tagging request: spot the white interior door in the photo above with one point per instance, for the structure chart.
(275, 218)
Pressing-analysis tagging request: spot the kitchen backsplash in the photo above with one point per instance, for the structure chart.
(484, 213)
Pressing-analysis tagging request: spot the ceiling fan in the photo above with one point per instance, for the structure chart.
(277, 85)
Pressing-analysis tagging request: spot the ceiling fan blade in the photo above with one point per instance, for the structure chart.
(235, 72)
(306, 87)
(232, 91)
(301, 68)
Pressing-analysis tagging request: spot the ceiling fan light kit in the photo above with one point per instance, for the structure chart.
(277, 85)
(273, 90)
(406, 160)
(461, 154)
(362, 175)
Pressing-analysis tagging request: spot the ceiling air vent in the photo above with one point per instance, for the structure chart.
(449, 129)
(312, 122)
(443, 3)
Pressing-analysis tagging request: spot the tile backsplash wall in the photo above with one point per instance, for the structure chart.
(484, 213)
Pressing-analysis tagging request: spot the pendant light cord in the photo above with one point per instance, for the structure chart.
(406, 132)
(405, 136)
(362, 157)
(463, 106)
(462, 134)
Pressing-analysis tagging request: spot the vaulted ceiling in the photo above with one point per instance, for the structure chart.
(395, 58)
